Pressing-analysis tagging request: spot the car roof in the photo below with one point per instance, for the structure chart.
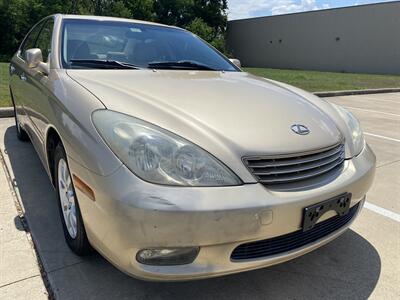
(114, 19)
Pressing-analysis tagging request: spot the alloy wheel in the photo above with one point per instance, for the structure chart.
(67, 198)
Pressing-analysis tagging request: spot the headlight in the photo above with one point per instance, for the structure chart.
(159, 156)
(354, 126)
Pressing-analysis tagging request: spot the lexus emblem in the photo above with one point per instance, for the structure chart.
(300, 129)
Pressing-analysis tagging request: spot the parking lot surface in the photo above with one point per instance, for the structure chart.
(363, 263)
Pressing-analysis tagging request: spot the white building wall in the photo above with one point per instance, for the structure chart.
(362, 39)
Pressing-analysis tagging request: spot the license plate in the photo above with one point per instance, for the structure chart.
(311, 214)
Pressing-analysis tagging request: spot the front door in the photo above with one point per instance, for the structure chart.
(37, 95)
(18, 69)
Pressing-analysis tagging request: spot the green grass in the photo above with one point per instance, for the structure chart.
(314, 81)
(311, 81)
(4, 91)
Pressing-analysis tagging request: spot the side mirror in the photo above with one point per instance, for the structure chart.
(34, 59)
(236, 62)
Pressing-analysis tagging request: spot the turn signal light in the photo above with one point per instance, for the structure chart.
(83, 187)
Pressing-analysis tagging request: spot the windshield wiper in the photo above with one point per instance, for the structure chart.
(180, 65)
(102, 64)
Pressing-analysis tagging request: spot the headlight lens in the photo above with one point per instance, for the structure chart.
(159, 156)
(354, 126)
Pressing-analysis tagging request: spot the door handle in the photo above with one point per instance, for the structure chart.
(23, 77)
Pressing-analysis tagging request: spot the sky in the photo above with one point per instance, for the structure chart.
(241, 9)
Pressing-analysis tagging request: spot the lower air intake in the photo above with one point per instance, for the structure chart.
(292, 241)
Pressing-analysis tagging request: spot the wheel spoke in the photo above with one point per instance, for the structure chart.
(71, 196)
(67, 198)
(72, 223)
(62, 173)
(68, 183)
(73, 218)
(65, 173)
(62, 186)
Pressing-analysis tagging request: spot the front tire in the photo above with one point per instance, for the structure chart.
(70, 214)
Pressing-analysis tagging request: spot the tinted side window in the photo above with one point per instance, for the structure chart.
(44, 40)
(30, 40)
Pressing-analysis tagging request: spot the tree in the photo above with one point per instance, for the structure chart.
(213, 15)
(206, 18)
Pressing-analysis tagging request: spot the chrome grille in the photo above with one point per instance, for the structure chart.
(271, 170)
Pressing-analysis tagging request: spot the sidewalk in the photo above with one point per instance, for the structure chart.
(20, 276)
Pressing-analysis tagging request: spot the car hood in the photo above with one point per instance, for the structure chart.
(231, 114)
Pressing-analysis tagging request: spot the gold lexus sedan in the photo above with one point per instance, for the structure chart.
(171, 161)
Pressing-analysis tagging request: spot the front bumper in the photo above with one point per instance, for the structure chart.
(130, 214)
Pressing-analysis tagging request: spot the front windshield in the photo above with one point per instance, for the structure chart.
(136, 44)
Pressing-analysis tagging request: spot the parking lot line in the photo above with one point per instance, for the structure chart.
(380, 100)
(373, 111)
(382, 211)
(382, 137)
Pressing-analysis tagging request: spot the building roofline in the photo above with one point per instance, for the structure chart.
(315, 11)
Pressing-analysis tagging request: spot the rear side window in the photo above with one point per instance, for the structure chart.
(44, 40)
(30, 40)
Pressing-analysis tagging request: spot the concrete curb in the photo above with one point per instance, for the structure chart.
(6, 112)
(357, 92)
